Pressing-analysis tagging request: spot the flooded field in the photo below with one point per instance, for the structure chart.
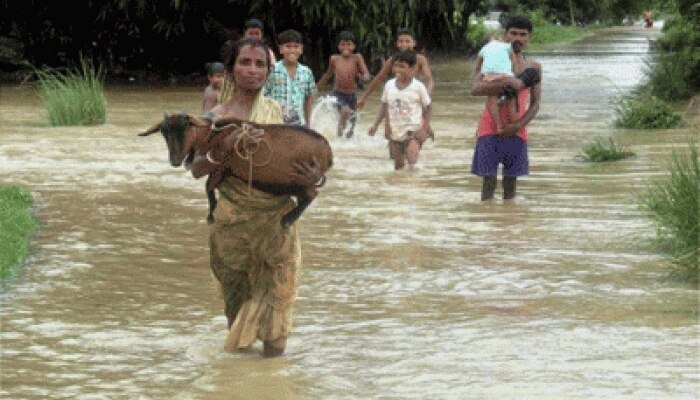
(411, 288)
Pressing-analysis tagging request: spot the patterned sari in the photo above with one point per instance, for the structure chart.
(253, 257)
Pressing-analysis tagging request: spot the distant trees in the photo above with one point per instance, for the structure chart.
(178, 36)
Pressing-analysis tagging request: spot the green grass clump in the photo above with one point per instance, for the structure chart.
(16, 225)
(645, 112)
(601, 150)
(75, 97)
(673, 205)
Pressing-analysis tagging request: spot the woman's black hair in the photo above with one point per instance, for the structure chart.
(238, 45)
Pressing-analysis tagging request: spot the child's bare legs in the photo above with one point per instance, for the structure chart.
(402, 152)
(492, 105)
(344, 115)
(396, 149)
(412, 150)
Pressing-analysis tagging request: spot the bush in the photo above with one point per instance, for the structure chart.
(477, 33)
(75, 97)
(673, 205)
(17, 224)
(645, 112)
(673, 75)
(601, 150)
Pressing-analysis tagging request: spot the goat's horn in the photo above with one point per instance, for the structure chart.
(155, 128)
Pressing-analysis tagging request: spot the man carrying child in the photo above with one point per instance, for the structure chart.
(507, 145)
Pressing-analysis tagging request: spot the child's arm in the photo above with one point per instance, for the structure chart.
(387, 122)
(327, 75)
(427, 75)
(425, 123)
(378, 120)
(381, 77)
(364, 72)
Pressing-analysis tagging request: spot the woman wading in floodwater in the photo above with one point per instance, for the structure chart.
(253, 257)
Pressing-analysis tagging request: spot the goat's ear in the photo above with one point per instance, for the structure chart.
(155, 128)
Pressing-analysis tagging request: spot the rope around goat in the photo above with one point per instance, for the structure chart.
(246, 145)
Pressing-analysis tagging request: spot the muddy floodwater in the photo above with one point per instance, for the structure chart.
(412, 288)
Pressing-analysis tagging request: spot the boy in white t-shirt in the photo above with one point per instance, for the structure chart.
(406, 104)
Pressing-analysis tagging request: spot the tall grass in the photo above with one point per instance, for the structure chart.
(645, 112)
(602, 150)
(672, 203)
(16, 225)
(74, 97)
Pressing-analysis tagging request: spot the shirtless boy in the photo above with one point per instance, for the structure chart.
(344, 68)
(405, 41)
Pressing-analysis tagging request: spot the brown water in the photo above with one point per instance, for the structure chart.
(412, 287)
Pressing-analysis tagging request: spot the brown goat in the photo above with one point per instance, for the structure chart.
(263, 155)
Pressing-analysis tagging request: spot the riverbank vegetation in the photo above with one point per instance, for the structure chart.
(169, 42)
(671, 75)
(672, 202)
(604, 149)
(645, 112)
(73, 97)
(17, 226)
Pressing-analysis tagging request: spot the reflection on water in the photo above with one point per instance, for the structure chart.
(412, 287)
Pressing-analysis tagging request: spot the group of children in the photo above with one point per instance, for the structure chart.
(405, 102)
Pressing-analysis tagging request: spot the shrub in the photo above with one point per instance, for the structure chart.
(601, 150)
(477, 33)
(75, 97)
(645, 112)
(673, 205)
(17, 224)
(673, 75)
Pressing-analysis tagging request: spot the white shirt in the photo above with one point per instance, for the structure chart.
(405, 107)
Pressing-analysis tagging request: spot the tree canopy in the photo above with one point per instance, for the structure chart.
(177, 37)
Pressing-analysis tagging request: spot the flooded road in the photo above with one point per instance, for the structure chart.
(411, 288)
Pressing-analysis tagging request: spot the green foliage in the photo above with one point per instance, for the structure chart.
(645, 112)
(672, 202)
(16, 225)
(75, 97)
(477, 33)
(675, 72)
(602, 150)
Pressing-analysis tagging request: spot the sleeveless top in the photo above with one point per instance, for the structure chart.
(487, 126)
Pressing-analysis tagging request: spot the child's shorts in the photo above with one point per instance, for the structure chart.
(491, 150)
(345, 99)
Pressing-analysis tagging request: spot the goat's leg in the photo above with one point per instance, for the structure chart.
(303, 201)
(211, 196)
(213, 181)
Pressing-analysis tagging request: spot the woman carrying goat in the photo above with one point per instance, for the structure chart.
(253, 257)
